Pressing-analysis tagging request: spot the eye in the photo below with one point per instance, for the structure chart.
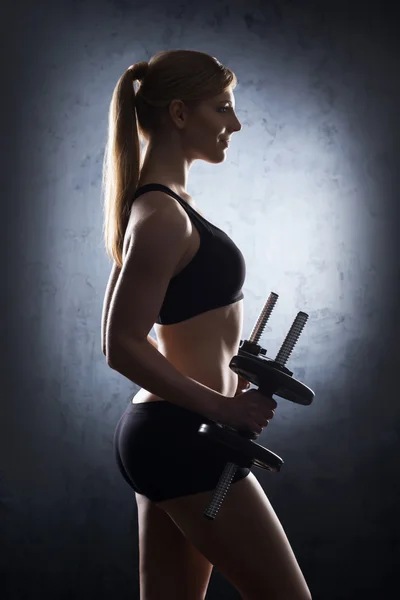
(225, 108)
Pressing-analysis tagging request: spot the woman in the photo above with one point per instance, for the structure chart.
(175, 270)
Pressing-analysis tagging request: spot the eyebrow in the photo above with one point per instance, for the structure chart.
(225, 101)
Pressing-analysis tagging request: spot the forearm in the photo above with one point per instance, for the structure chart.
(143, 364)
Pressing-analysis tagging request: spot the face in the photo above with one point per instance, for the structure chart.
(203, 130)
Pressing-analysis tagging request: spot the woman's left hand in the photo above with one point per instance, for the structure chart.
(242, 386)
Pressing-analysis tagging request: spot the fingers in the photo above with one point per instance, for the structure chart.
(268, 404)
(266, 418)
(273, 403)
(243, 383)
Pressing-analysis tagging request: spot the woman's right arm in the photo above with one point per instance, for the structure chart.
(155, 245)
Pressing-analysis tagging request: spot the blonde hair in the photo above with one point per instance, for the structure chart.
(191, 76)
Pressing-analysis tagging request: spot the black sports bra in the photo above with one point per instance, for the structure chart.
(213, 278)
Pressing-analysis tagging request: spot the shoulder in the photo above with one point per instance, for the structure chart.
(157, 216)
(159, 206)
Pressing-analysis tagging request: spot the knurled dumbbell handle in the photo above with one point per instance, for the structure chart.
(228, 474)
(290, 341)
(220, 491)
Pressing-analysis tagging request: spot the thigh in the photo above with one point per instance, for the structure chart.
(246, 541)
(170, 566)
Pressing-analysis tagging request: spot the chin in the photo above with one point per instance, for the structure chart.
(217, 158)
(214, 158)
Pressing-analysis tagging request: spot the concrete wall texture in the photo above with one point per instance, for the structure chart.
(308, 191)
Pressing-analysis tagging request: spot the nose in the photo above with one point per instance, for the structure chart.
(237, 126)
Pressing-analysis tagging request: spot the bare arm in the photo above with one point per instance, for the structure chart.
(156, 242)
(115, 271)
(112, 281)
(143, 364)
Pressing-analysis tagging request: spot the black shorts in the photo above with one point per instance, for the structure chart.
(161, 455)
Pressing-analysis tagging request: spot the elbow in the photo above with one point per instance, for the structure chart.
(108, 356)
(113, 365)
(104, 351)
(117, 353)
(110, 359)
(110, 351)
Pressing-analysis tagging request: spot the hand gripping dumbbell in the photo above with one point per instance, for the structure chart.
(271, 377)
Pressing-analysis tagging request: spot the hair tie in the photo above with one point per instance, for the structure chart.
(139, 70)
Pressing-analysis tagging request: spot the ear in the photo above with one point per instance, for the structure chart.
(178, 113)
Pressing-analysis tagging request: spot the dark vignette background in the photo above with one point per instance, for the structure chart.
(318, 98)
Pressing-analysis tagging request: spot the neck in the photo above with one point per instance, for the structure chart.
(164, 165)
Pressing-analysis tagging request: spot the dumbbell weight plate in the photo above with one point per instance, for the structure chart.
(258, 371)
(243, 452)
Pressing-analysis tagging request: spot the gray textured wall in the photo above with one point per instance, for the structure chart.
(309, 193)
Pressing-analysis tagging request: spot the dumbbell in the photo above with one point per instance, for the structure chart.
(271, 377)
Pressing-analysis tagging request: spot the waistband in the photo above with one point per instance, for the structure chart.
(163, 407)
